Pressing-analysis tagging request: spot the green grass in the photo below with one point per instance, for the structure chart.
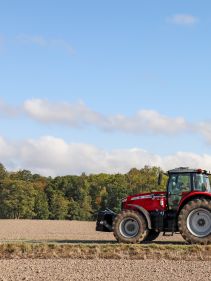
(104, 251)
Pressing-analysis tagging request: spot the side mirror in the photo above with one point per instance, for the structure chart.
(160, 178)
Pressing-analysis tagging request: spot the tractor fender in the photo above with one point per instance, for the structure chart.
(192, 196)
(144, 212)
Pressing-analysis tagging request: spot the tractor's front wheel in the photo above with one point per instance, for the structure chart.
(194, 222)
(129, 227)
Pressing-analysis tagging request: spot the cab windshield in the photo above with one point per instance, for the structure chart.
(201, 182)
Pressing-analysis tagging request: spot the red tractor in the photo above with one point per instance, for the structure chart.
(185, 207)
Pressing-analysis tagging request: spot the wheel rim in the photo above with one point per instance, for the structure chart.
(129, 227)
(199, 222)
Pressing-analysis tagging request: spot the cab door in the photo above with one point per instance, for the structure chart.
(178, 186)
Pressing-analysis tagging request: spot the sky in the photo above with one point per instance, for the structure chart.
(104, 86)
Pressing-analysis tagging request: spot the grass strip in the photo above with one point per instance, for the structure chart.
(104, 251)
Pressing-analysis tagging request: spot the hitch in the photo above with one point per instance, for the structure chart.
(105, 220)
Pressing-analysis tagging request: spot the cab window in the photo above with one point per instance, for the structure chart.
(201, 182)
(179, 183)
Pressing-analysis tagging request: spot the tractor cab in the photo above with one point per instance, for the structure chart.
(182, 182)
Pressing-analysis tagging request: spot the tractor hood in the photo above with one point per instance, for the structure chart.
(149, 201)
(142, 196)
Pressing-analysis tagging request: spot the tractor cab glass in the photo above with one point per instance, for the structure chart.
(201, 182)
(178, 183)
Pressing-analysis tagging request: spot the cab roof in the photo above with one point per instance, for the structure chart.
(187, 170)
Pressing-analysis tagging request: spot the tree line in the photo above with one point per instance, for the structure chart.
(24, 195)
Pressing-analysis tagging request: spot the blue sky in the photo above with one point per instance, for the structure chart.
(87, 62)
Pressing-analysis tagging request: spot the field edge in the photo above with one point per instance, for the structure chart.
(104, 251)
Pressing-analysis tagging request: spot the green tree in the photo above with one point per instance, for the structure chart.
(17, 199)
(27, 195)
(74, 212)
(24, 175)
(41, 206)
(86, 209)
(59, 206)
(145, 180)
(117, 189)
(98, 191)
(3, 172)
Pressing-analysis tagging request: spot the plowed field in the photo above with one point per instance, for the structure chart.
(25, 247)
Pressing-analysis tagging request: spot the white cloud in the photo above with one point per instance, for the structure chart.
(44, 42)
(204, 128)
(147, 121)
(8, 154)
(6, 149)
(74, 115)
(78, 115)
(53, 156)
(183, 19)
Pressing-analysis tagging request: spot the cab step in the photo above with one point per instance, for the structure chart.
(168, 234)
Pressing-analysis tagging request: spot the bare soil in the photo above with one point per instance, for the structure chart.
(63, 231)
(72, 233)
(68, 269)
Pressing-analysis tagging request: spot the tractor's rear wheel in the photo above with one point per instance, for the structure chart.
(151, 235)
(194, 222)
(129, 227)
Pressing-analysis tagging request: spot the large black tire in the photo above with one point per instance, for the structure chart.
(194, 222)
(129, 227)
(151, 235)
